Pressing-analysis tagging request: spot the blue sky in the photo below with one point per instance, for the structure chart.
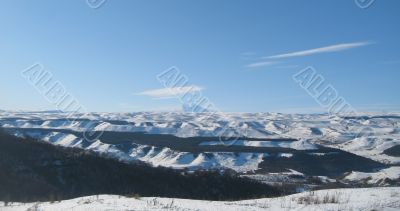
(240, 54)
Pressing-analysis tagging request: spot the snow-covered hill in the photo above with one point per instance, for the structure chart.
(258, 141)
(375, 177)
(335, 199)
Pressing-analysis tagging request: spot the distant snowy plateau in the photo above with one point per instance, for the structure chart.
(270, 147)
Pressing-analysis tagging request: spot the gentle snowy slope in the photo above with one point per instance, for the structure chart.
(392, 173)
(337, 199)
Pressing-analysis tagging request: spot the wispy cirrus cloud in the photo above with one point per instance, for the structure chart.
(325, 49)
(261, 64)
(171, 92)
(272, 60)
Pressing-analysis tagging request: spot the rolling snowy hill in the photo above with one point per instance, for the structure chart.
(250, 143)
(335, 200)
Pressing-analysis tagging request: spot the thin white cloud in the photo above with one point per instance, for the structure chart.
(171, 92)
(261, 64)
(326, 49)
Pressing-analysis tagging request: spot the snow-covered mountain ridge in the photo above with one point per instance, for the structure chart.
(258, 141)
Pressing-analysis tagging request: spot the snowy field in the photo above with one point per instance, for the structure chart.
(335, 199)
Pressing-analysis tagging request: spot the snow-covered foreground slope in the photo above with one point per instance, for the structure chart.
(336, 199)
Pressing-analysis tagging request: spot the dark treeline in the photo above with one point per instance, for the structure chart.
(36, 171)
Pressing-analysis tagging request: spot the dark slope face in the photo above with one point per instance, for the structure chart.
(332, 164)
(32, 171)
(322, 161)
(393, 151)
